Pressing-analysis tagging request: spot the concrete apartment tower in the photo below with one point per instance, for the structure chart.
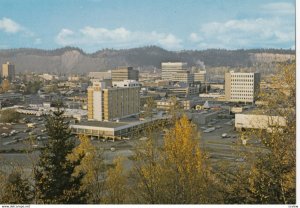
(124, 73)
(169, 69)
(241, 87)
(106, 103)
(8, 71)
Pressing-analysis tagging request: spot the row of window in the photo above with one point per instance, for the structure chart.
(242, 76)
(241, 84)
(241, 95)
(242, 87)
(240, 98)
(243, 91)
(241, 80)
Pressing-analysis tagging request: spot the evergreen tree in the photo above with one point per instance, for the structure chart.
(16, 190)
(55, 180)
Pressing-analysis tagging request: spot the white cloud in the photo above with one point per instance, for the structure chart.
(10, 26)
(118, 37)
(63, 37)
(194, 37)
(245, 33)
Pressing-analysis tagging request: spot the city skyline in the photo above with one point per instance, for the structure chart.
(174, 25)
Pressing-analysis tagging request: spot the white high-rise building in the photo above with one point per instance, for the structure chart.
(241, 87)
(169, 69)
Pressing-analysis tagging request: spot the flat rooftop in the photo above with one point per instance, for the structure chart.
(102, 124)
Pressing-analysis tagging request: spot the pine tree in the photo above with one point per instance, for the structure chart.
(54, 178)
(16, 190)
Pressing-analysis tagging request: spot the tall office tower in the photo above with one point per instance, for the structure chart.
(241, 87)
(168, 69)
(124, 73)
(112, 103)
(200, 76)
(183, 76)
(8, 71)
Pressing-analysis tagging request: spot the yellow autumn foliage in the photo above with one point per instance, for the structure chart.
(115, 184)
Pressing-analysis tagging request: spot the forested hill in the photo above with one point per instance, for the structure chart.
(75, 60)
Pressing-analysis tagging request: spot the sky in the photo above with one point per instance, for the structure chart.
(171, 24)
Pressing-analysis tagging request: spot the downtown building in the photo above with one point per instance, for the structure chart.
(200, 76)
(183, 76)
(8, 71)
(241, 87)
(109, 103)
(170, 69)
(124, 73)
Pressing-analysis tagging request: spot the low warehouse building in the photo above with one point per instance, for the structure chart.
(258, 121)
(113, 130)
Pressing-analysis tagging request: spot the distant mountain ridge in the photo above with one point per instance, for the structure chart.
(75, 60)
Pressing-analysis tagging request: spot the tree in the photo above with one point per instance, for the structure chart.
(5, 85)
(54, 174)
(176, 173)
(9, 116)
(149, 106)
(92, 165)
(190, 179)
(147, 173)
(16, 190)
(175, 111)
(32, 87)
(271, 174)
(115, 184)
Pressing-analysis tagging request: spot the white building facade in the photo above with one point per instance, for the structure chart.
(168, 69)
(241, 87)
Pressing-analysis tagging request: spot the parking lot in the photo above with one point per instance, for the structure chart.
(17, 136)
(218, 140)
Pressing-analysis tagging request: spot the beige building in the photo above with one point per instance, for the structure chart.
(124, 73)
(112, 103)
(100, 75)
(168, 69)
(200, 76)
(183, 90)
(8, 71)
(241, 87)
(184, 76)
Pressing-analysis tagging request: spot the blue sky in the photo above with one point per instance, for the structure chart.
(172, 24)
